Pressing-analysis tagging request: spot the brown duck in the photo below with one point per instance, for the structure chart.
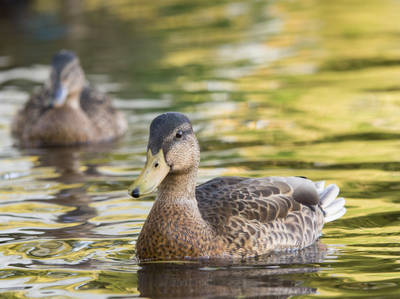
(232, 217)
(66, 111)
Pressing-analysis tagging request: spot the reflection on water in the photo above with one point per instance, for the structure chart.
(305, 88)
(252, 278)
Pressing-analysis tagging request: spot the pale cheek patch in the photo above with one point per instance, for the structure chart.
(183, 155)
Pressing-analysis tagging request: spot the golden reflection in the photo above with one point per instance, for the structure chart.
(285, 88)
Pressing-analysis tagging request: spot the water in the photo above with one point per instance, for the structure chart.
(305, 88)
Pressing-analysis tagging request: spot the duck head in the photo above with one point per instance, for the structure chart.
(67, 80)
(172, 150)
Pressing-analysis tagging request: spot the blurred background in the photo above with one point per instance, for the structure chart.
(307, 88)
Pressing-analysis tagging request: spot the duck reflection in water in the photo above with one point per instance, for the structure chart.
(272, 276)
(72, 174)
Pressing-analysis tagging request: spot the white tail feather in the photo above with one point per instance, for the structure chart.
(335, 205)
(340, 213)
(332, 206)
(319, 186)
(329, 195)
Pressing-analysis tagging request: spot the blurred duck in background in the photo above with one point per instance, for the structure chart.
(66, 111)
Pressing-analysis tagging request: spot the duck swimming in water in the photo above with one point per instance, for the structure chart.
(66, 111)
(233, 217)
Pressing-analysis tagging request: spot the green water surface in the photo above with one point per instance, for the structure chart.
(306, 88)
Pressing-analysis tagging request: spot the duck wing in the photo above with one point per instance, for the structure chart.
(263, 199)
(256, 215)
(27, 116)
(109, 122)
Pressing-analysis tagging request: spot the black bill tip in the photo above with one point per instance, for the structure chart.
(135, 193)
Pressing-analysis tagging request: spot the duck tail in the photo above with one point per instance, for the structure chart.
(331, 205)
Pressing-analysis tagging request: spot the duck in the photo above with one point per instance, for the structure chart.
(66, 110)
(225, 217)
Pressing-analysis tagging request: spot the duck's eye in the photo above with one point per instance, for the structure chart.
(156, 164)
(179, 134)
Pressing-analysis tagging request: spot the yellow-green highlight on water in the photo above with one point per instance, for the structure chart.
(306, 88)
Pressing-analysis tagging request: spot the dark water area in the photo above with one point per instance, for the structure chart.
(305, 88)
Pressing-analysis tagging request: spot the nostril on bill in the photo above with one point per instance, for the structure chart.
(135, 193)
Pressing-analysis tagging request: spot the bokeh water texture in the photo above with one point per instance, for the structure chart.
(307, 88)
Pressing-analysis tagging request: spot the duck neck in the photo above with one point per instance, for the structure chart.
(73, 100)
(178, 187)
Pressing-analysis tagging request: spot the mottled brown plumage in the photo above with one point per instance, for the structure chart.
(225, 217)
(66, 111)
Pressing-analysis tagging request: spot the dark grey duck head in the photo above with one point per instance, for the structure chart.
(67, 79)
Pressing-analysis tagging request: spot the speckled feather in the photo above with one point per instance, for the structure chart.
(255, 216)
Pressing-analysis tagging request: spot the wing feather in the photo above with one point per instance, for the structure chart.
(269, 213)
(109, 122)
(262, 199)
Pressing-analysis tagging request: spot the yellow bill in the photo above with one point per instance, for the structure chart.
(153, 173)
